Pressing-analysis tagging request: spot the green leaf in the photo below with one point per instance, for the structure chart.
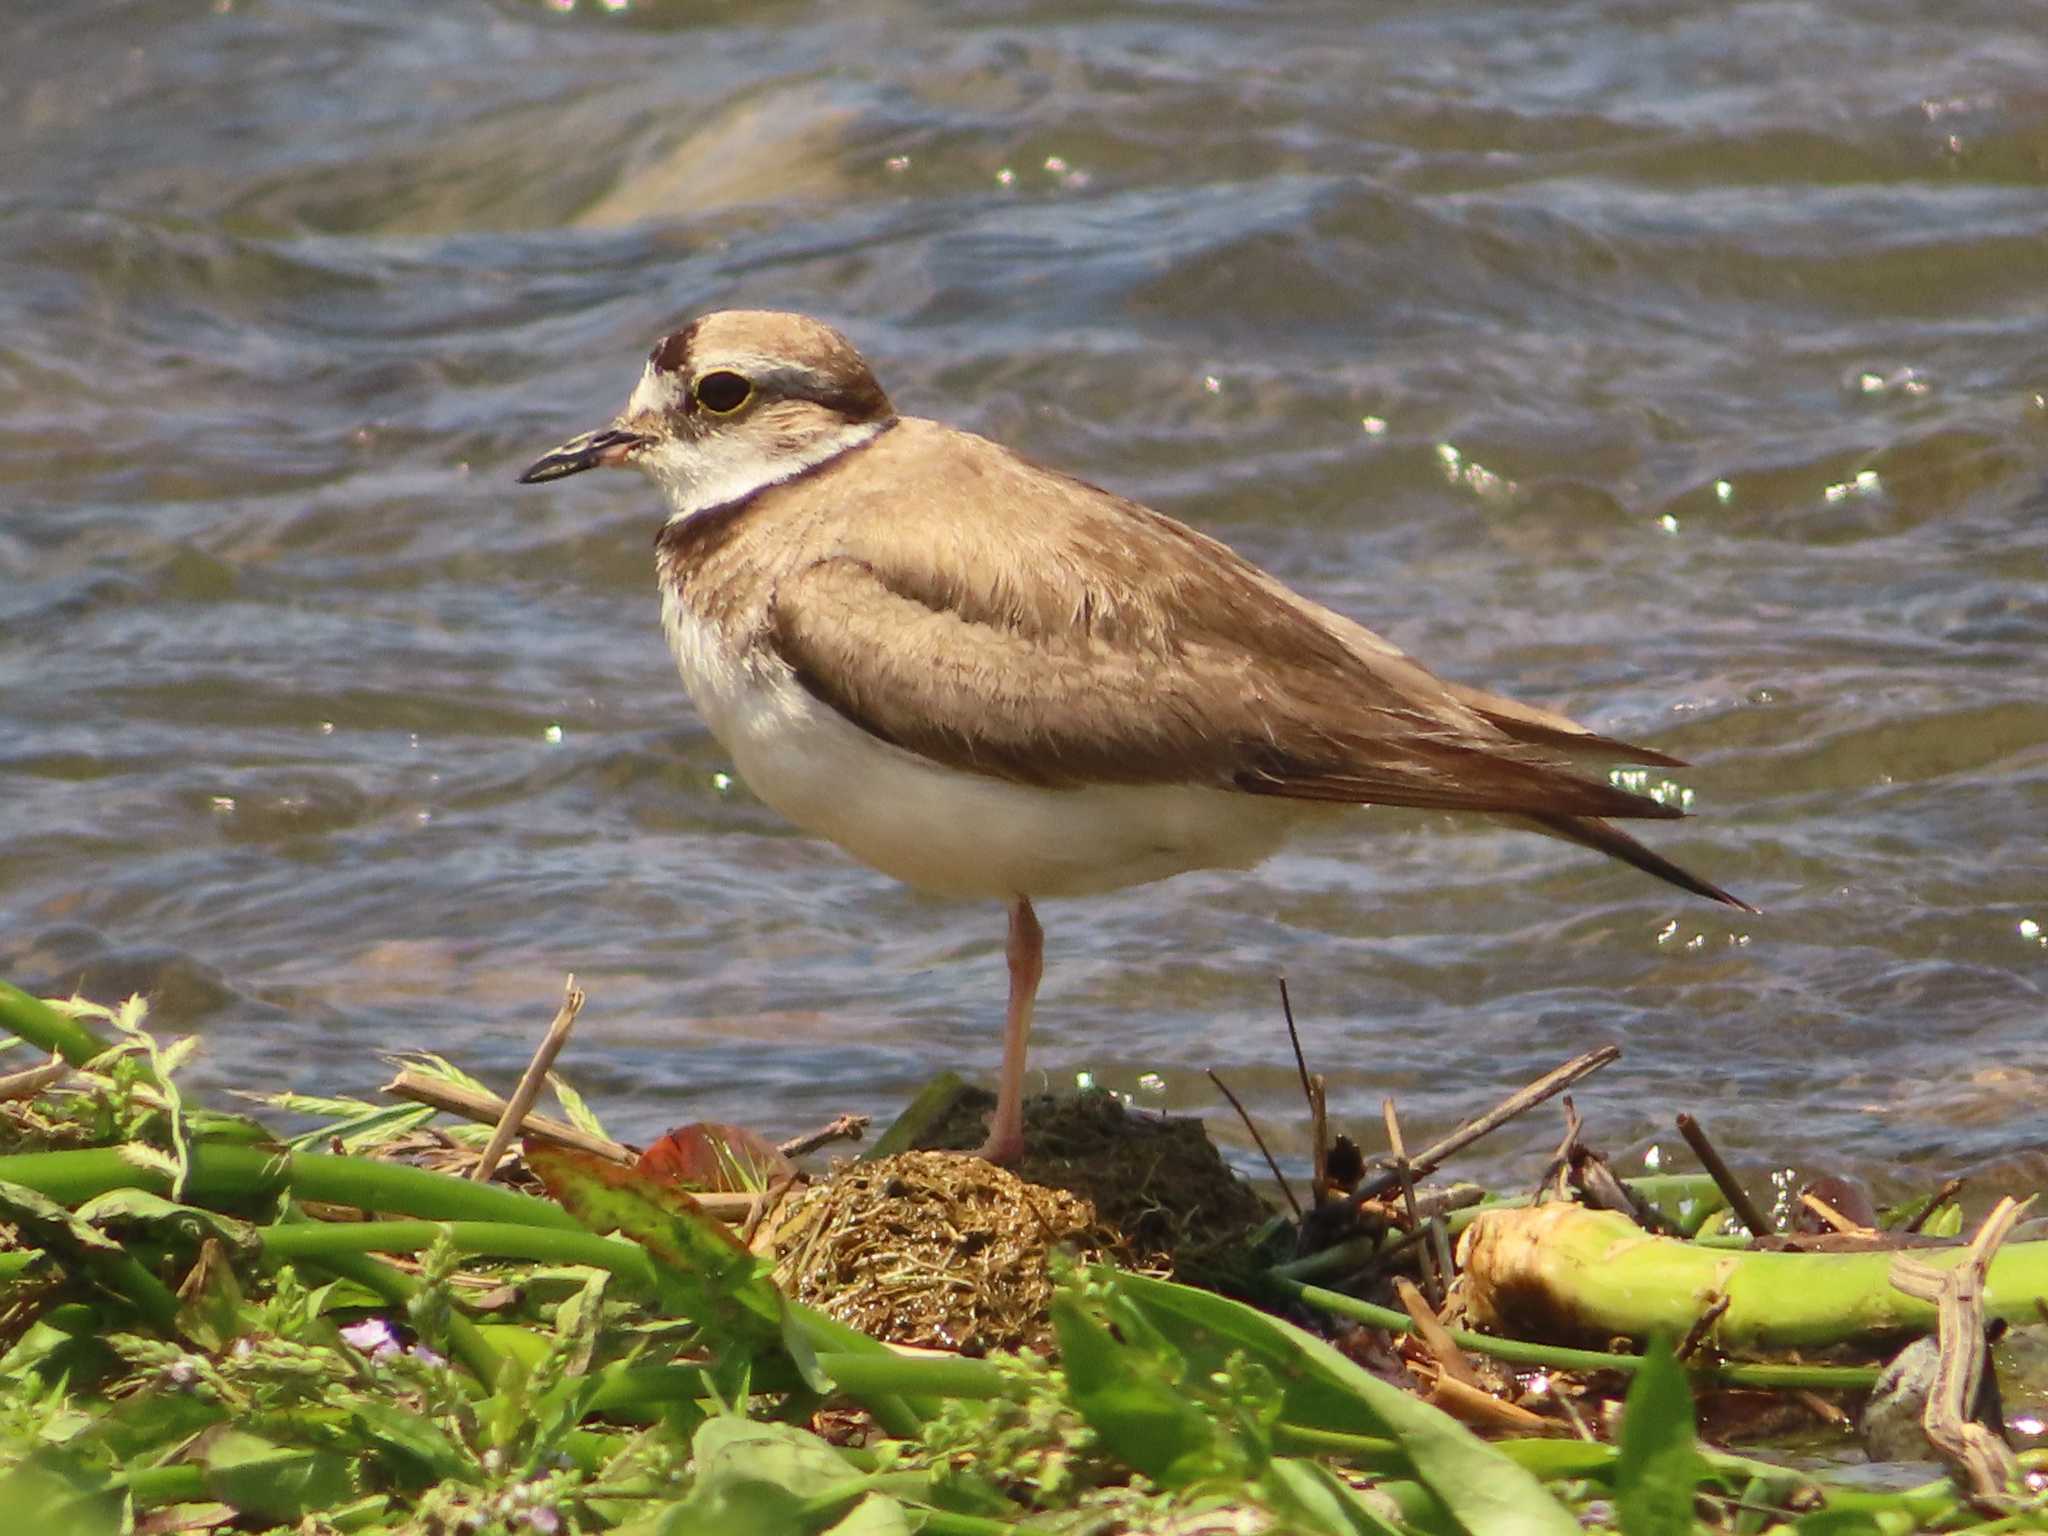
(374, 1124)
(876, 1515)
(701, 1270)
(1659, 1467)
(48, 1495)
(1313, 1498)
(575, 1108)
(1137, 1399)
(275, 1482)
(415, 1449)
(1484, 1490)
(63, 1345)
(210, 1300)
(765, 1480)
(86, 1251)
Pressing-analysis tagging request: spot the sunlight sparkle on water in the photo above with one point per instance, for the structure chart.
(1473, 475)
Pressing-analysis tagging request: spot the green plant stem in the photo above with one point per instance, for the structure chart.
(858, 1373)
(1556, 1357)
(1595, 1274)
(222, 1172)
(1366, 1451)
(152, 1487)
(1664, 1190)
(45, 1028)
(482, 1239)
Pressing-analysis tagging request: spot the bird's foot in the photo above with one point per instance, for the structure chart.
(1001, 1149)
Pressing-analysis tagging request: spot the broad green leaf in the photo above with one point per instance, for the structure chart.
(275, 1482)
(1659, 1467)
(415, 1449)
(1137, 1401)
(86, 1251)
(1485, 1491)
(1313, 1498)
(756, 1479)
(701, 1270)
(63, 1345)
(191, 1221)
(877, 1515)
(50, 1496)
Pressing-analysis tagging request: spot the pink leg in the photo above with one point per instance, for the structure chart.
(1026, 953)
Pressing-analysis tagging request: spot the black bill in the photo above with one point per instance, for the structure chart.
(593, 450)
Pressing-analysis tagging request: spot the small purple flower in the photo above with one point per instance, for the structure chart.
(545, 1520)
(426, 1356)
(373, 1336)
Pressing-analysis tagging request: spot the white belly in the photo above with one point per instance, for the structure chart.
(955, 833)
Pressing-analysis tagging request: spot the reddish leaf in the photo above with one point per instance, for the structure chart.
(715, 1158)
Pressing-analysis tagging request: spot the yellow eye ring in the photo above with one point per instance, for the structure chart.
(722, 392)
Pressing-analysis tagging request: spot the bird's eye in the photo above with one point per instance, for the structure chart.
(723, 393)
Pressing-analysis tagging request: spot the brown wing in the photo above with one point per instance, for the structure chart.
(1082, 639)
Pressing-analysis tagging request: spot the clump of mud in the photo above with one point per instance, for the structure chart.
(938, 1248)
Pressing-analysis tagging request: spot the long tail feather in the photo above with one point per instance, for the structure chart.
(1589, 832)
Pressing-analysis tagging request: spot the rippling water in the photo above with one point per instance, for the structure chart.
(1681, 368)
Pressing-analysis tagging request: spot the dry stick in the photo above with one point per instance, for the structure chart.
(26, 1085)
(1702, 1325)
(1520, 1102)
(1435, 1337)
(488, 1109)
(529, 1086)
(845, 1128)
(1737, 1197)
(1438, 1279)
(1935, 1202)
(1832, 1217)
(1248, 1125)
(1316, 1091)
(1977, 1457)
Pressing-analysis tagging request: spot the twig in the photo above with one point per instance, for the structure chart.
(1248, 1125)
(1977, 1456)
(1316, 1091)
(1821, 1408)
(845, 1128)
(529, 1086)
(27, 1084)
(1702, 1325)
(1439, 1279)
(1520, 1102)
(1828, 1214)
(1731, 1189)
(488, 1109)
(1935, 1202)
(1436, 1338)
